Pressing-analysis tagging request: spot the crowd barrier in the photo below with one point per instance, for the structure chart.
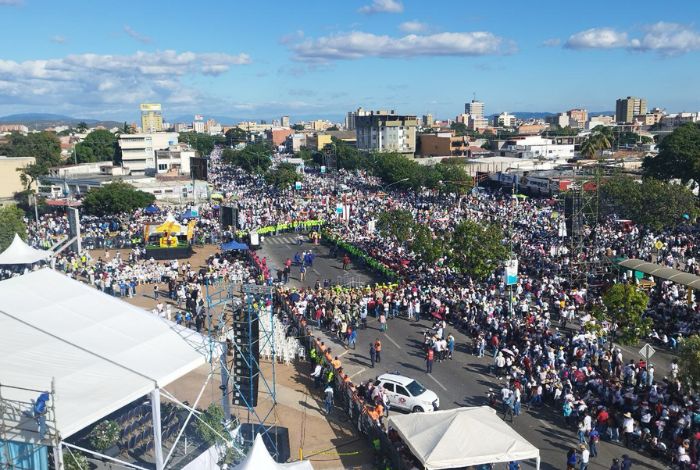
(304, 225)
(346, 398)
(357, 254)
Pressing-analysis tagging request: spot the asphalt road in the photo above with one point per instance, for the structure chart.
(463, 381)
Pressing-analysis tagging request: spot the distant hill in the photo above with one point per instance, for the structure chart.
(41, 121)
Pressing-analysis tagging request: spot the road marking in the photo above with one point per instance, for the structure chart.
(316, 271)
(437, 382)
(358, 372)
(344, 353)
(392, 341)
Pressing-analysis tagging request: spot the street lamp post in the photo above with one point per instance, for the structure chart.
(384, 188)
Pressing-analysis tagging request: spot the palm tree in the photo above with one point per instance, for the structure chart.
(589, 147)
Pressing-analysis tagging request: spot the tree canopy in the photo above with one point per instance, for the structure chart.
(283, 176)
(254, 158)
(234, 136)
(114, 198)
(624, 307)
(99, 146)
(476, 249)
(689, 361)
(44, 146)
(396, 224)
(202, 143)
(678, 157)
(11, 222)
(653, 203)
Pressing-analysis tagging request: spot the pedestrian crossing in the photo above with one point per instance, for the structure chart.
(285, 239)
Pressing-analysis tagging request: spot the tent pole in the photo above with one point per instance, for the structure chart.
(157, 437)
(537, 463)
(58, 456)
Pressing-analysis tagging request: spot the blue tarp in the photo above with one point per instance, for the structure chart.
(233, 246)
(188, 214)
(23, 456)
(152, 209)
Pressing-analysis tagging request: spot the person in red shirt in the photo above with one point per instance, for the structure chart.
(429, 356)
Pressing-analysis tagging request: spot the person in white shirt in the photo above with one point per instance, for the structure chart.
(585, 457)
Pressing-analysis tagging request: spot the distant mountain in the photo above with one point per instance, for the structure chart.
(41, 121)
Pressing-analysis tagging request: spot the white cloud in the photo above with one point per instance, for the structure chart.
(382, 6)
(357, 45)
(667, 39)
(132, 33)
(95, 79)
(58, 39)
(597, 38)
(553, 42)
(413, 27)
(292, 37)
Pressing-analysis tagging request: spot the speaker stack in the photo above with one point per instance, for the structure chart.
(246, 357)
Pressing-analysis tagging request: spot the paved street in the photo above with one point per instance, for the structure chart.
(462, 381)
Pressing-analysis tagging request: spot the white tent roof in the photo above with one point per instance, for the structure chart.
(461, 437)
(259, 458)
(20, 253)
(103, 353)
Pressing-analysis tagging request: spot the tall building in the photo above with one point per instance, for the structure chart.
(198, 124)
(386, 132)
(350, 118)
(151, 117)
(284, 122)
(504, 120)
(627, 108)
(578, 117)
(474, 108)
(428, 120)
(138, 150)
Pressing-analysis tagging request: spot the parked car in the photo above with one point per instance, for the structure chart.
(408, 394)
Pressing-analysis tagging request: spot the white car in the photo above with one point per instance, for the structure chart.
(408, 394)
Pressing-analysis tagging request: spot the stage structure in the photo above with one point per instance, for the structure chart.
(245, 327)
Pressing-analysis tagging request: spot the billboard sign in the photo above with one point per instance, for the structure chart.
(511, 274)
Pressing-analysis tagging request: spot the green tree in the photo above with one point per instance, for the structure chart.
(477, 249)
(448, 176)
(30, 174)
(234, 136)
(561, 131)
(396, 224)
(43, 146)
(81, 127)
(115, 198)
(599, 140)
(678, 157)
(460, 128)
(347, 156)
(283, 177)
(254, 158)
(202, 143)
(210, 425)
(651, 202)
(11, 222)
(689, 361)
(426, 245)
(297, 127)
(75, 460)
(624, 307)
(99, 146)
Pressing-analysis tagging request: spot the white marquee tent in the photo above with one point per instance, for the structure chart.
(20, 253)
(100, 352)
(462, 437)
(259, 457)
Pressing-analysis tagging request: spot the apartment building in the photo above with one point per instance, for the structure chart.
(627, 108)
(536, 147)
(151, 117)
(175, 159)
(386, 131)
(139, 150)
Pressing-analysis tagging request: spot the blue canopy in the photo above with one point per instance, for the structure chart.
(152, 209)
(189, 214)
(233, 246)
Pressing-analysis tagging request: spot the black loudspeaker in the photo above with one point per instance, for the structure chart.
(229, 217)
(276, 439)
(245, 358)
(569, 214)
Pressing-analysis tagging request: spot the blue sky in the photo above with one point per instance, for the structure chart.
(262, 59)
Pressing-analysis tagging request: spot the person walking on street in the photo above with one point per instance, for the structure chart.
(615, 465)
(329, 399)
(378, 350)
(316, 374)
(585, 457)
(571, 459)
(429, 356)
(593, 438)
(302, 273)
(450, 346)
(372, 354)
(626, 462)
(346, 262)
(628, 428)
(155, 291)
(382, 322)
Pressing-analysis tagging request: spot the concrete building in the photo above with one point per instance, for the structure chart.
(560, 120)
(578, 117)
(350, 118)
(477, 124)
(82, 169)
(595, 121)
(505, 120)
(10, 181)
(151, 117)
(428, 120)
(442, 144)
(284, 122)
(317, 141)
(627, 108)
(138, 150)
(295, 142)
(253, 126)
(21, 128)
(536, 147)
(175, 159)
(278, 135)
(386, 132)
(198, 125)
(474, 108)
(531, 128)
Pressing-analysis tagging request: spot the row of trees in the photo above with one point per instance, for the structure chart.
(254, 158)
(476, 250)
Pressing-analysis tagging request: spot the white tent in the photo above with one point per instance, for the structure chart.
(101, 352)
(259, 458)
(20, 253)
(462, 437)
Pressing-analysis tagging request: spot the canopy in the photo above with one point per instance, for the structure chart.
(217, 196)
(101, 352)
(20, 253)
(152, 209)
(189, 214)
(663, 272)
(461, 437)
(259, 458)
(233, 246)
(169, 226)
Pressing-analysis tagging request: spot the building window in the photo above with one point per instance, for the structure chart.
(162, 166)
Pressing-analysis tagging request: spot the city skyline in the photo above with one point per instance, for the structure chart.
(270, 59)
